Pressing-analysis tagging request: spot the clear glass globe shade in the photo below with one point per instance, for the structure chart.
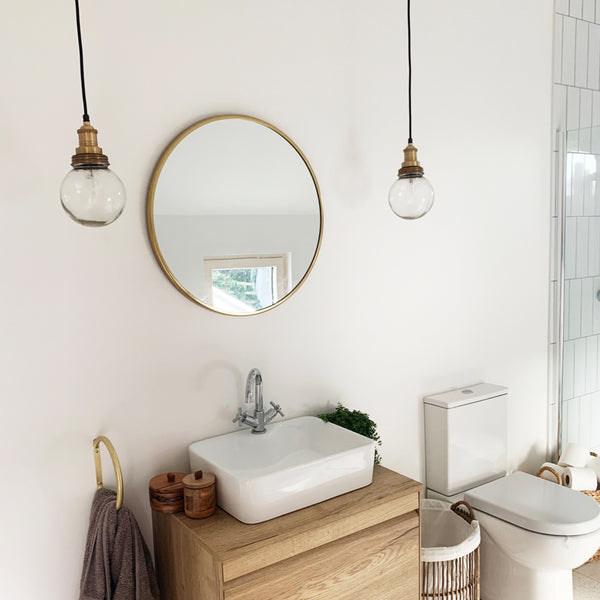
(411, 197)
(92, 196)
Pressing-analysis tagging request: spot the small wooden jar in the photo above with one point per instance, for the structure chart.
(166, 492)
(199, 493)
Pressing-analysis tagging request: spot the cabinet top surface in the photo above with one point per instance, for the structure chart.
(390, 495)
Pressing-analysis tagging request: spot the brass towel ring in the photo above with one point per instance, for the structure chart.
(116, 465)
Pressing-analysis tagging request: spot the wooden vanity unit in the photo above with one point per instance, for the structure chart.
(364, 545)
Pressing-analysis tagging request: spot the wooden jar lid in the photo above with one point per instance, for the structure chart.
(166, 492)
(198, 480)
(167, 483)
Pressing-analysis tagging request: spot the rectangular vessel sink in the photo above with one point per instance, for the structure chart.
(294, 464)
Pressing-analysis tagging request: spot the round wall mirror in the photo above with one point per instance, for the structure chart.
(234, 214)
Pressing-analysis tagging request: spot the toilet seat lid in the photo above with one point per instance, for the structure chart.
(537, 505)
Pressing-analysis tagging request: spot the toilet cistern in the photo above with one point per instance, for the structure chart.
(533, 532)
(253, 395)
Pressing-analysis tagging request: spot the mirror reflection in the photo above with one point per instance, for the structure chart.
(234, 214)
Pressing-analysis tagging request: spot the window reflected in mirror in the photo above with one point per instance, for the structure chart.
(247, 283)
(234, 215)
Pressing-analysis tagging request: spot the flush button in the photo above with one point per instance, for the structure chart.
(467, 391)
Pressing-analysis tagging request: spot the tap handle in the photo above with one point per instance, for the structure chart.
(239, 417)
(277, 409)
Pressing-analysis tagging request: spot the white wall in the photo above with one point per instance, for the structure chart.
(95, 339)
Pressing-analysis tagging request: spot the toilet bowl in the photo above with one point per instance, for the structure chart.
(534, 533)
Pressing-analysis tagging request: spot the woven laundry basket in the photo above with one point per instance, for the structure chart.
(594, 494)
(450, 541)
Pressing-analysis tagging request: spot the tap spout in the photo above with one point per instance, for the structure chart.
(254, 395)
(254, 389)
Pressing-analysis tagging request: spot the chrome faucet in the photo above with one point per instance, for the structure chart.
(259, 418)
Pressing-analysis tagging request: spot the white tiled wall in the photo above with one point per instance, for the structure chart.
(577, 112)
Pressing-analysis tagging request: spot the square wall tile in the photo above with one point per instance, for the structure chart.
(562, 6)
(597, 19)
(576, 8)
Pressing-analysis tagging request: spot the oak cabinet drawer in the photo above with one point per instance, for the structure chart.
(381, 563)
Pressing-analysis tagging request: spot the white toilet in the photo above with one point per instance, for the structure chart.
(534, 532)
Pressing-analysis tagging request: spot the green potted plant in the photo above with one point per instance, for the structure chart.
(354, 420)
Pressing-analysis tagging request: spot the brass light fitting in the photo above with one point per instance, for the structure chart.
(410, 166)
(88, 153)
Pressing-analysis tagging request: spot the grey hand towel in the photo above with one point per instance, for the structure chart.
(117, 564)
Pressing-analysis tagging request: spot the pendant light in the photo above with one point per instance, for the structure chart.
(91, 193)
(411, 195)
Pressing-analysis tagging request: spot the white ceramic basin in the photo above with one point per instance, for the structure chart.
(294, 464)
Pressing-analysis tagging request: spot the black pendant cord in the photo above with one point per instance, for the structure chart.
(86, 117)
(409, 78)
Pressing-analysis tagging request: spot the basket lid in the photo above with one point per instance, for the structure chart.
(536, 505)
(198, 480)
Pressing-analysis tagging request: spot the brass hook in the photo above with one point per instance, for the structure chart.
(116, 465)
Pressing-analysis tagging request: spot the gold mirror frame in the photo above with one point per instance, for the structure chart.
(150, 212)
